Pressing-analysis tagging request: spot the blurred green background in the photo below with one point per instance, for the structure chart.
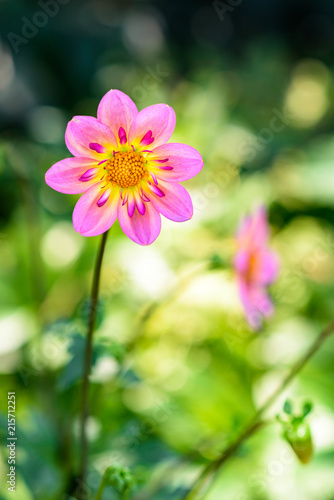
(176, 370)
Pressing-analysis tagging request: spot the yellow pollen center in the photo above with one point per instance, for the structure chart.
(125, 169)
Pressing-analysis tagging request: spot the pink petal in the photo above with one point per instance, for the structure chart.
(131, 205)
(260, 227)
(88, 218)
(89, 174)
(147, 139)
(253, 316)
(97, 147)
(117, 111)
(253, 231)
(244, 229)
(164, 161)
(262, 301)
(140, 205)
(158, 119)
(155, 180)
(156, 190)
(144, 197)
(176, 205)
(64, 176)
(242, 261)
(267, 268)
(104, 198)
(122, 136)
(142, 229)
(82, 132)
(125, 197)
(185, 161)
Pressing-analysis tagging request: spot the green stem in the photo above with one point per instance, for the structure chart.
(104, 482)
(203, 481)
(87, 367)
(101, 489)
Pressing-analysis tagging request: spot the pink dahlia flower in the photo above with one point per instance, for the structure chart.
(256, 267)
(125, 169)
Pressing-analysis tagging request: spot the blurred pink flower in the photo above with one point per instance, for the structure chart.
(126, 169)
(256, 267)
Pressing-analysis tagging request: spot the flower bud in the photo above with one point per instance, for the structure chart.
(296, 431)
(298, 435)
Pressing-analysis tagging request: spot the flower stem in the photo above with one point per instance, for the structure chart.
(203, 482)
(87, 367)
(101, 489)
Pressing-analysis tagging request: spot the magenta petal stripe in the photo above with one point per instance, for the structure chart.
(141, 229)
(104, 198)
(159, 119)
(176, 203)
(140, 204)
(183, 161)
(156, 190)
(131, 205)
(64, 176)
(89, 219)
(89, 174)
(85, 130)
(122, 136)
(147, 139)
(97, 147)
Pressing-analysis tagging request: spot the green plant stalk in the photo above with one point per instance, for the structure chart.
(101, 489)
(87, 366)
(204, 481)
(104, 483)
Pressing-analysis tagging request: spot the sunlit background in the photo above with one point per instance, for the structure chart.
(176, 369)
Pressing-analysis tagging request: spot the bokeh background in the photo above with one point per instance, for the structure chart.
(176, 369)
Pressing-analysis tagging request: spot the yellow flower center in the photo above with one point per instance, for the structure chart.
(125, 169)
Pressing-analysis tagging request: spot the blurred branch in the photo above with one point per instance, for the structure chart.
(183, 460)
(204, 481)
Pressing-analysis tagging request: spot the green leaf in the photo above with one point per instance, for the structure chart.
(216, 262)
(307, 408)
(287, 407)
(74, 369)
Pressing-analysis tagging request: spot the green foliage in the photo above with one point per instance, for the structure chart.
(297, 432)
(119, 478)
